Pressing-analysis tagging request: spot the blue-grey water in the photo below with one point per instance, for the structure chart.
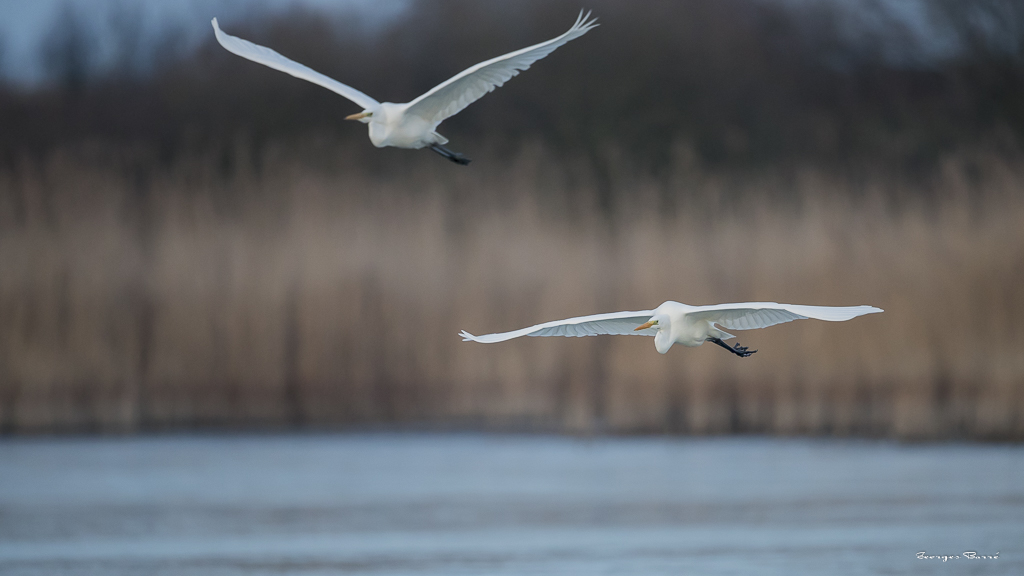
(479, 504)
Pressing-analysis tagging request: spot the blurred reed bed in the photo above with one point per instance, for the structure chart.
(293, 288)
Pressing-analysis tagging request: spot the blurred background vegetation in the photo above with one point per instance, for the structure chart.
(188, 239)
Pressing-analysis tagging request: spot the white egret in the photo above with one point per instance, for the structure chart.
(414, 124)
(675, 323)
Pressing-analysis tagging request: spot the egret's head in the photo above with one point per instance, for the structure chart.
(662, 339)
(366, 116)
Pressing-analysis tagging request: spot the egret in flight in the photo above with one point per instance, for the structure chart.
(675, 323)
(414, 124)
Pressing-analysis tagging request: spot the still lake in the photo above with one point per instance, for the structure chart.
(396, 503)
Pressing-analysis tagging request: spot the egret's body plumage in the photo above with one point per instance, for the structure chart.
(677, 323)
(414, 124)
(393, 127)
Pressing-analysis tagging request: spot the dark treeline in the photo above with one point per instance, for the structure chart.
(737, 81)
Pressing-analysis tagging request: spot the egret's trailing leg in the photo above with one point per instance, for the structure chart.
(740, 351)
(453, 156)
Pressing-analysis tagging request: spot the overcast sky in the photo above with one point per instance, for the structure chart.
(24, 23)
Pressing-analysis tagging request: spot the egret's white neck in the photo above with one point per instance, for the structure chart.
(663, 340)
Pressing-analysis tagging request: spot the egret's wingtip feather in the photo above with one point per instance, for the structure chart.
(583, 22)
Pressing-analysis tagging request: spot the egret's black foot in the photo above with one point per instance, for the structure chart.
(453, 156)
(741, 351)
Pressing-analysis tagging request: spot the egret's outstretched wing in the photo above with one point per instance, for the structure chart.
(750, 315)
(614, 323)
(450, 97)
(268, 57)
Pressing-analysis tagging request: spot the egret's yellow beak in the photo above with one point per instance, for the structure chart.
(359, 116)
(645, 325)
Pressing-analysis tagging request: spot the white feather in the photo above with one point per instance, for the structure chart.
(453, 95)
(268, 57)
(621, 323)
(751, 315)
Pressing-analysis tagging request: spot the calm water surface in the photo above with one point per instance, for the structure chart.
(477, 504)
